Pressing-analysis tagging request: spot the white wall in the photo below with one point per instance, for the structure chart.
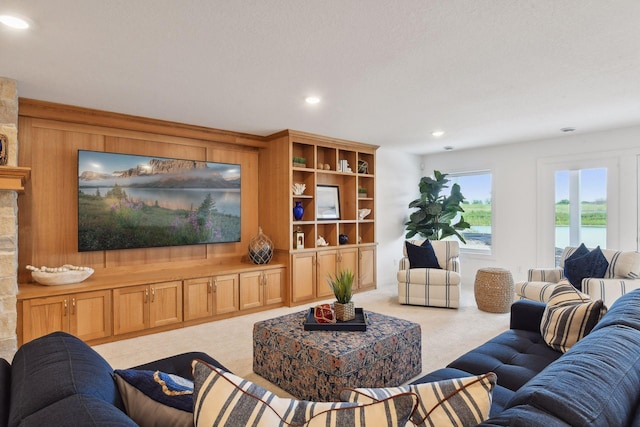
(519, 184)
(397, 177)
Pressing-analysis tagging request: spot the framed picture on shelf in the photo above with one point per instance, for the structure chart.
(328, 202)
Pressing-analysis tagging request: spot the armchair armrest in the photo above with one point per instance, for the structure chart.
(527, 315)
(403, 264)
(608, 290)
(553, 275)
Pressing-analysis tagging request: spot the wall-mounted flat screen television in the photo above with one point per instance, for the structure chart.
(129, 201)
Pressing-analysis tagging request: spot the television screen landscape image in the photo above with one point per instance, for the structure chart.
(130, 201)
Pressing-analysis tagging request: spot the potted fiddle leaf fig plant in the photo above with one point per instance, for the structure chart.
(342, 286)
(437, 212)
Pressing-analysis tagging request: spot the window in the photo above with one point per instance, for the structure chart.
(580, 208)
(476, 189)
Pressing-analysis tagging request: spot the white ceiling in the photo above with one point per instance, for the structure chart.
(389, 72)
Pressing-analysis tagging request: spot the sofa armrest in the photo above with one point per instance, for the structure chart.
(553, 275)
(527, 315)
(180, 364)
(403, 264)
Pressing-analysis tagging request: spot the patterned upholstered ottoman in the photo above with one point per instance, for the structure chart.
(316, 365)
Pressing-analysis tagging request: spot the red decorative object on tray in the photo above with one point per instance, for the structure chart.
(324, 313)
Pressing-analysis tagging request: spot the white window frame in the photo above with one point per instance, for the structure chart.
(546, 186)
(463, 248)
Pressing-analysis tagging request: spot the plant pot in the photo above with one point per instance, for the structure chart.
(344, 312)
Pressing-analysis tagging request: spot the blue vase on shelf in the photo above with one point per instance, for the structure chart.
(298, 211)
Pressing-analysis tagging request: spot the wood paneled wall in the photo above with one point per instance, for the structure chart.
(50, 136)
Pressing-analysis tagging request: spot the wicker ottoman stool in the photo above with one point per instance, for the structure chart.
(494, 290)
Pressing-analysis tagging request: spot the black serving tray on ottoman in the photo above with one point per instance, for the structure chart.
(357, 324)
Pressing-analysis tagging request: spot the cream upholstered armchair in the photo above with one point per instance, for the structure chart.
(438, 286)
(621, 276)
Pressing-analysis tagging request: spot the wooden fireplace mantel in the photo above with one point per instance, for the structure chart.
(13, 178)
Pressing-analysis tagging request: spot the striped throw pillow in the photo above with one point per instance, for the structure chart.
(224, 399)
(568, 317)
(455, 402)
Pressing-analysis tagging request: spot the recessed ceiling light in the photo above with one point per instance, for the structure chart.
(568, 129)
(312, 100)
(437, 133)
(14, 22)
(448, 147)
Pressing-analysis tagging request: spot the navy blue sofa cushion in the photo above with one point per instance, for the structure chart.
(55, 367)
(180, 364)
(515, 356)
(78, 410)
(596, 383)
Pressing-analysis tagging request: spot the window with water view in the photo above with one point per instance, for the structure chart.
(581, 208)
(476, 188)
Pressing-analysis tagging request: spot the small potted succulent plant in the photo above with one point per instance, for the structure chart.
(342, 286)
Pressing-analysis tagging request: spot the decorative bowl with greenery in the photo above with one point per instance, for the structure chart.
(342, 286)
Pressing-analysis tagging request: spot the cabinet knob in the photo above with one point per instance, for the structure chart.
(215, 285)
(65, 305)
(210, 288)
(153, 294)
(146, 296)
(73, 306)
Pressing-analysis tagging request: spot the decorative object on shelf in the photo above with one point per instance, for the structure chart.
(327, 167)
(343, 166)
(298, 189)
(260, 248)
(328, 202)
(321, 242)
(4, 149)
(362, 192)
(363, 166)
(342, 286)
(436, 212)
(64, 275)
(298, 237)
(298, 211)
(343, 239)
(362, 213)
(299, 162)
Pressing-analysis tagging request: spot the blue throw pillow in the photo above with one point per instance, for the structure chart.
(593, 264)
(422, 256)
(156, 398)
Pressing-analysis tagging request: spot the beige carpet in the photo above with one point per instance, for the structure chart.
(446, 334)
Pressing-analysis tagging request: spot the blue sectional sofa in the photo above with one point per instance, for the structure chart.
(595, 383)
(59, 380)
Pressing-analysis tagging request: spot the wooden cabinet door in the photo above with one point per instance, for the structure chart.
(198, 298)
(90, 315)
(367, 267)
(327, 264)
(41, 316)
(303, 276)
(348, 260)
(166, 303)
(273, 286)
(225, 294)
(251, 290)
(130, 309)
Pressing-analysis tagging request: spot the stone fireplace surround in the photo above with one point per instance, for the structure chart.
(9, 224)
